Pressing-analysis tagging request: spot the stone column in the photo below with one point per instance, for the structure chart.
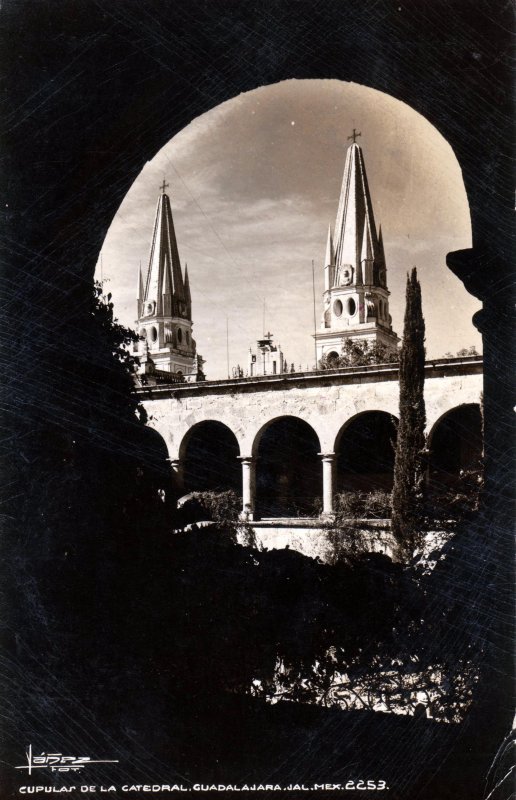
(328, 460)
(248, 486)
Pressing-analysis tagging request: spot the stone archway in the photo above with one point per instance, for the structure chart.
(209, 458)
(365, 448)
(128, 120)
(455, 448)
(85, 116)
(288, 471)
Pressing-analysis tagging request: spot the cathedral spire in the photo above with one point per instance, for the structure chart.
(164, 303)
(356, 298)
(164, 288)
(355, 230)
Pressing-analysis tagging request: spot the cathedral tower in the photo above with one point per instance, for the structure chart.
(356, 298)
(164, 304)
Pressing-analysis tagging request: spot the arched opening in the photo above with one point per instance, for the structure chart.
(455, 449)
(209, 457)
(224, 151)
(365, 453)
(332, 359)
(288, 470)
(155, 464)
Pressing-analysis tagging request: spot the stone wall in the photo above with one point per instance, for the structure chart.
(312, 539)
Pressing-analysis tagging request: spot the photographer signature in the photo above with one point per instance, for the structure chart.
(57, 762)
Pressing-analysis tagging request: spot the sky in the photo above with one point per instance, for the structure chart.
(254, 184)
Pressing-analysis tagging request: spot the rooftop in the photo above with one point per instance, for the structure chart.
(434, 368)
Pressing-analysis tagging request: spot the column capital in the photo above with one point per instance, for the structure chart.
(246, 459)
(327, 456)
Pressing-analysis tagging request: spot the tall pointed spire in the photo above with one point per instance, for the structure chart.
(164, 302)
(355, 230)
(164, 278)
(356, 298)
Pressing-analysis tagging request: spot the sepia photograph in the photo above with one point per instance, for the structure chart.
(258, 426)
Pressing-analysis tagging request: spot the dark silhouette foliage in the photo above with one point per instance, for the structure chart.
(410, 443)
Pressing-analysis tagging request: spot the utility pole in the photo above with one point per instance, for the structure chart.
(315, 324)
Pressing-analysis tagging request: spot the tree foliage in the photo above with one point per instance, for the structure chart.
(114, 361)
(410, 444)
(464, 351)
(359, 353)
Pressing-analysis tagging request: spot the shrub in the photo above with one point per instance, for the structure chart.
(363, 505)
(221, 507)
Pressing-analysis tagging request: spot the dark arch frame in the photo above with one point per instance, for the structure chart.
(103, 143)
(84, 115)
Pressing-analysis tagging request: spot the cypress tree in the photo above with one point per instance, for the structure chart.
(408, 465)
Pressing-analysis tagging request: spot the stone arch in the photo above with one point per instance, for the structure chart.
(144, 110)
(108, 129)
(155, 473)
(208, 456)
(288, 472)
(332, 358)
(365, 447)
(455, 446)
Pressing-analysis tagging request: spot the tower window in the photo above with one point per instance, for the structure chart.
(187, 337)
(179, 335)
(337, 308)
(351, 307)
(153, 334)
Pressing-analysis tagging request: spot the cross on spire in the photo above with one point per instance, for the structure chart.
(163, 186)
(355, 135)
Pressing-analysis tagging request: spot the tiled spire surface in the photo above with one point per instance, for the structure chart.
(164, 286)
(355, 238)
